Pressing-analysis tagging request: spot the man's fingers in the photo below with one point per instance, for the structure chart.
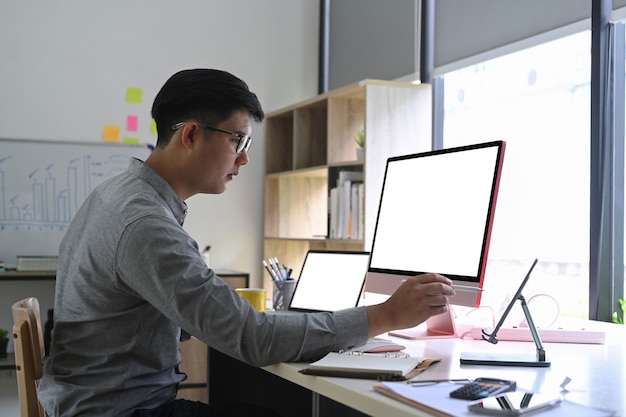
(434, 288)
(436, 301)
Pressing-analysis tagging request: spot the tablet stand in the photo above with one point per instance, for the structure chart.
(510, 359)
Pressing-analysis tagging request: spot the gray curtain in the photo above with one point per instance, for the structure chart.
(606, 263)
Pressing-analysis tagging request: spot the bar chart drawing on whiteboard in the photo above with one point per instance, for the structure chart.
(50, 196)
(42, 186)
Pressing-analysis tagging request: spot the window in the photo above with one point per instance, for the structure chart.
(538, 101)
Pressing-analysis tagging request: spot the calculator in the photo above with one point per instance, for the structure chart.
(483, 387)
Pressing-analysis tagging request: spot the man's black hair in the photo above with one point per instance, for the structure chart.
(207, 95)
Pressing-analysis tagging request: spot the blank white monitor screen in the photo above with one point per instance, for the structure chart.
(435, 215)
(330, 280)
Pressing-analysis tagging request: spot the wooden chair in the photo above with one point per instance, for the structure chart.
(29, 351)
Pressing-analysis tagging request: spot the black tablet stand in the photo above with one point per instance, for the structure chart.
(511, 359)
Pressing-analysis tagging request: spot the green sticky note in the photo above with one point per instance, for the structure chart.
(131, 141)
(153, 128)
(134, 95)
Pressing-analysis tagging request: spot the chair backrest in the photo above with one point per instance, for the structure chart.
(29, 351)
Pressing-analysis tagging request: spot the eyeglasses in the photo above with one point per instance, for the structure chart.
(243, 141)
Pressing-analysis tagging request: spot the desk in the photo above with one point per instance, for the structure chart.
(598, 374)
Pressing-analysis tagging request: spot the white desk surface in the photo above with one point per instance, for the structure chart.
(597, 372)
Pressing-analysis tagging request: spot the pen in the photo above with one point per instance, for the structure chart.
(459, 287)
(276, 269)
(271, 272)
(436, 381)
(276, 264)
(467, 288)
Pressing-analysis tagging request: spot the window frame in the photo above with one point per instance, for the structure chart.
(606, 245)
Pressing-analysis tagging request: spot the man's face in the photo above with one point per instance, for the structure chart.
(215, 160)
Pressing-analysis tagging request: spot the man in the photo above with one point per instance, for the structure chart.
(130, 277)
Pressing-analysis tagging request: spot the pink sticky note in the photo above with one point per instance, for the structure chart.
(131, 123)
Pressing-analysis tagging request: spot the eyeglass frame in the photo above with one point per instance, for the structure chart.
(244, 141)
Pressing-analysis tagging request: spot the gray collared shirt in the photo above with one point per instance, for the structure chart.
(129, 278)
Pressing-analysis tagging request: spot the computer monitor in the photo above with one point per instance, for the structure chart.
(330, 280)
(435, 215)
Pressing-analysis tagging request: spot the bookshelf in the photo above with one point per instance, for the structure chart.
(309, 143)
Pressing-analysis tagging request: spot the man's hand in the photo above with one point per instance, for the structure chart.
(417, 299)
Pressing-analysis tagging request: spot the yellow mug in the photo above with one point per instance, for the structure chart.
(256, 297)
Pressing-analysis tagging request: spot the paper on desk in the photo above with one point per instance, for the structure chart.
(436, 400)
(432, 398)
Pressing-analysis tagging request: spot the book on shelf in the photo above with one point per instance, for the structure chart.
(345, 209)
(333, 209)
(344, 202)
(381, 366)
(357, 212)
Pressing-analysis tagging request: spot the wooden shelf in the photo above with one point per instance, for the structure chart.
(235, 279)
(12, 275)
(308, 143)
(193, 354)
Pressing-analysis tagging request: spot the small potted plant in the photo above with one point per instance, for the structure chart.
(616, 318)
(4, 341)
(360, 141)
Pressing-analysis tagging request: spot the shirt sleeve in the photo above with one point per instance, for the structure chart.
(160, 262)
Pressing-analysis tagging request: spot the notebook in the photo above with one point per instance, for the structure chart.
(330, 281)
(368, 365)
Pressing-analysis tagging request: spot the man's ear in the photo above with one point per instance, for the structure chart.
(189, 131)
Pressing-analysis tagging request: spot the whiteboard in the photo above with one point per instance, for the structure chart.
(42, 185)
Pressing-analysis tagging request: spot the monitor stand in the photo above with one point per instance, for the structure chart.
(441, 326)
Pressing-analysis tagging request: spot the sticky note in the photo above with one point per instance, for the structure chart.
(131, 141)
(131, 123)
(133, 95)
(111, 134)
(153, 128)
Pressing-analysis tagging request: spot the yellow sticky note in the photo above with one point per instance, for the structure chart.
(131, 141)
(111, 134)
(153, 128)
(133, 95)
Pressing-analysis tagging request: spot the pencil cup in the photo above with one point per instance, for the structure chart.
(283, 292)
(256, 297)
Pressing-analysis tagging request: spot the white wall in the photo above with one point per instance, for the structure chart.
(65, 66)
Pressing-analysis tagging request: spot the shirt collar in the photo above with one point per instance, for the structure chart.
(143, 171)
